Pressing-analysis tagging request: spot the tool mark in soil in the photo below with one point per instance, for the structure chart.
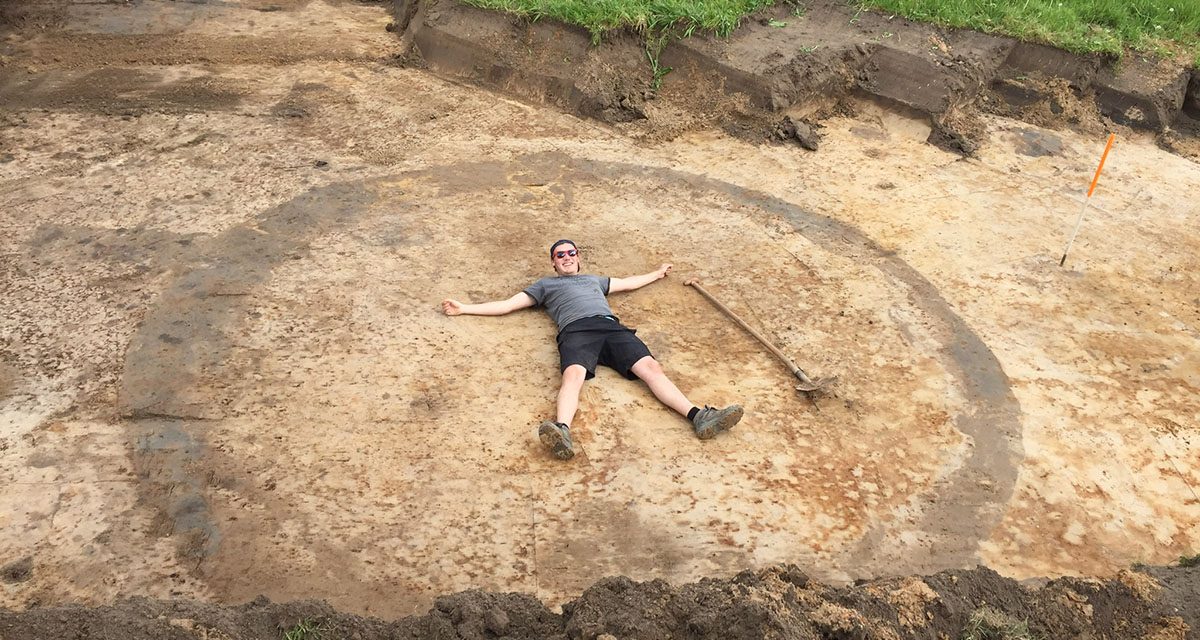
(115, 92)
(171, 388)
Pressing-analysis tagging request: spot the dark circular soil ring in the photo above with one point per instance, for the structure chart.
(160, 373)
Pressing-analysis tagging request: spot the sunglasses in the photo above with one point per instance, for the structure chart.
(562, 254)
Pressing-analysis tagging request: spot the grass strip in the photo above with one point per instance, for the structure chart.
(648, 16)
(1163, 27)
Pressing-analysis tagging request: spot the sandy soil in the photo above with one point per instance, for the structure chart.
(223, 372)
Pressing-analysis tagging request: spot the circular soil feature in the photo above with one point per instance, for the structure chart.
(321, 318)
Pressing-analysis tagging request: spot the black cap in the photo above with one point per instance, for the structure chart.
(564, 241)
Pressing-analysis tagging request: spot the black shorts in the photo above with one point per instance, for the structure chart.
(600, 340)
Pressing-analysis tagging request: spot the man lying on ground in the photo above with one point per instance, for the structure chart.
(589, 334)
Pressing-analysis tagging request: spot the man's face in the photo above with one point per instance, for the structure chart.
(565, 260)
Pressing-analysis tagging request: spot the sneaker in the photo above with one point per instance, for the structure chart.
(557, 437)
(709, 421)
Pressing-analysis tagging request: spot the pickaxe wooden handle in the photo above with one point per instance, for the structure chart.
(807, 385)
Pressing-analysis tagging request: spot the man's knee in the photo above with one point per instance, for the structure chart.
(647, 368)
(574, 373)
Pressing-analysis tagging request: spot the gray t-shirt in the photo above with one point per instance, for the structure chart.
(570, 298)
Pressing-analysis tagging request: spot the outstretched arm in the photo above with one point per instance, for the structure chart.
(637, 282)
(497, 308)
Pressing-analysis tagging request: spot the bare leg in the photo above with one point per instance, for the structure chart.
(651, 372)
(568, 393)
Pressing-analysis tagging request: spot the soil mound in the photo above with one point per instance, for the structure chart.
(776, 602)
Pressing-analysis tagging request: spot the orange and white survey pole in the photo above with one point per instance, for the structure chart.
(1111, 137)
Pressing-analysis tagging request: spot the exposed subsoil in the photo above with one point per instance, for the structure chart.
(223, 373)
(789, 66)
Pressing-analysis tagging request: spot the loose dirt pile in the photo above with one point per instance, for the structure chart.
(1160, 603)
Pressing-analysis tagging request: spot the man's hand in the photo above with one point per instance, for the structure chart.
(452, 307)
(637, 282)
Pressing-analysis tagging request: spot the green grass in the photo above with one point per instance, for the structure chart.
(1190, 561)
(1107, 26)
(306, 630)
(1164, 27)
(649, 16)
(654, 46)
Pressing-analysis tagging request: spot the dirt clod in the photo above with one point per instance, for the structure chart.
(958, 131)
(16, 572)
(801, 132)
(1145, 586)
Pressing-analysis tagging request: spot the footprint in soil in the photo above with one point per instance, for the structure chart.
(18, 571)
